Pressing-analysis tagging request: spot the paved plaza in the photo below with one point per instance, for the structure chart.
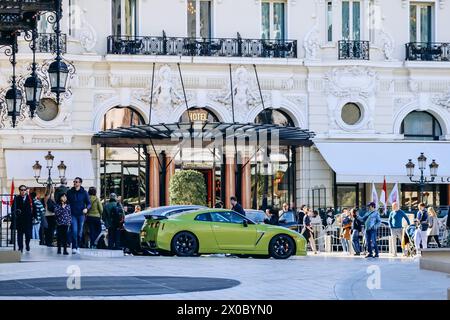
(321, 276)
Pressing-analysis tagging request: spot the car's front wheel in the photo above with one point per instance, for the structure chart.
(184, 244)
(281, 247)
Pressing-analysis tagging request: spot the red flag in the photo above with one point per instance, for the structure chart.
(384, 195)
(11, 195)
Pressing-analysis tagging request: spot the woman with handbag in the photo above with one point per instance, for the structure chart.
(308, 231)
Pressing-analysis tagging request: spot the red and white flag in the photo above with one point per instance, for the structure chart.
(383, 195)
(394, 195)
(374, 195)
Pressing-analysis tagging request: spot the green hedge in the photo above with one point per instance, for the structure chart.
(187, 187)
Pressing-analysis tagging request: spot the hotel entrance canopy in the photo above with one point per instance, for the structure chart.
(367, 162)
(164, 134)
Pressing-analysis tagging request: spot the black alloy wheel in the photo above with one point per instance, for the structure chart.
(281, 247)
(184, 244)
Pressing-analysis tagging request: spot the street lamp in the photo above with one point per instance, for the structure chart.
(49, 158)
(422, 181)
(21, 16)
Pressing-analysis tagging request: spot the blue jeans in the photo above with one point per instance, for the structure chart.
(77, 230)
(371, 238)
(95, 227)
(355, 241)
(344, 244)
(36, 228)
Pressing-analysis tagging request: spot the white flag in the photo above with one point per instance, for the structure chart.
(394, 195)
(374, 196)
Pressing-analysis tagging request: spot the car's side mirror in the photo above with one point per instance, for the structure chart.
(244, 223)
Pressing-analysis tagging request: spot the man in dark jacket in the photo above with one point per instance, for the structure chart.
(113, 216)
(236, 206)
(23, 216)
(80, 203)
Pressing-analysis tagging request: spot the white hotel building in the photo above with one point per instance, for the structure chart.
(371, 79)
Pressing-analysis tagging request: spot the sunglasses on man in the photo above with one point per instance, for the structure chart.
(22, 189)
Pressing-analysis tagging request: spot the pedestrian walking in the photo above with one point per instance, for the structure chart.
(23, 216)
(302, 212)
(49, 204)
(346, 231)
(219, 205)
(372, 222)
(236, 206)
(137, 208)
(421, 237)
(396, 217)
(63, 216)
(356, 230)
(39, 212)
(433, 227)
(62, 189)
(79, 202)
(308, 231)
(93, 217)
(113, 216)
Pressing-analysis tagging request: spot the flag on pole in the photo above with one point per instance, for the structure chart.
(383, 195)
(374, 195)
(394, 195)
(11, 195)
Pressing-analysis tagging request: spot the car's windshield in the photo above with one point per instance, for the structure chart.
(287, 217)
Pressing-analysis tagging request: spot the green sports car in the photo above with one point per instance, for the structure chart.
(219, 231)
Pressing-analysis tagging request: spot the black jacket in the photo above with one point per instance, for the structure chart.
(357, 225)
(22, 213)
(238, 208)
(273, 220)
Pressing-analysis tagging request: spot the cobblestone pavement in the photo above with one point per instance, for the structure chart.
(319, 276)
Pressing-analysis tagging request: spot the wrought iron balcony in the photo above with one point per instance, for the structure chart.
(353, 50)
(18, 14)
(428, 51)
(212, 47)
(46, 43)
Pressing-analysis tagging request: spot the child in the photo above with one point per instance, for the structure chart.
(63, 220)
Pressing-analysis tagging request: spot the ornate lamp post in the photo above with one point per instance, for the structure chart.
(19, 16)
(37, 167)
(422, 181)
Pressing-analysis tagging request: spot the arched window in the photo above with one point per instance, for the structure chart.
(198, 115)
(421, 125)
(121, 117)
(272, 116)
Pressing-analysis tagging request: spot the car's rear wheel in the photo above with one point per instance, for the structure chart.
(281, 247)
(184, 244)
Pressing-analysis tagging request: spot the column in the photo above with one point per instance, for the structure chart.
(246, 184)
(230, 176)
(170, 171)
(153, 176)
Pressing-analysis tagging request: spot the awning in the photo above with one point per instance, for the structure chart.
(165, 133)
(19, 165)
(371, 161)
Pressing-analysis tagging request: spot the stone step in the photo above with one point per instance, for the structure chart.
(10, 256)
(437, 259)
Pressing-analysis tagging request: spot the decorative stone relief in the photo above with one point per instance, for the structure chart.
(245, 93)
(401, 101)
(311, 43)
(387, 44)
(87, 34)
(99, 98)
(442, 100)
(351, 84)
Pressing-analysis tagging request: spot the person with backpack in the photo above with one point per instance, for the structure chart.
(421, 236)
(113, 216)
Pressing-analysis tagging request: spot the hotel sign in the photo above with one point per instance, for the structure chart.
(198, 116)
